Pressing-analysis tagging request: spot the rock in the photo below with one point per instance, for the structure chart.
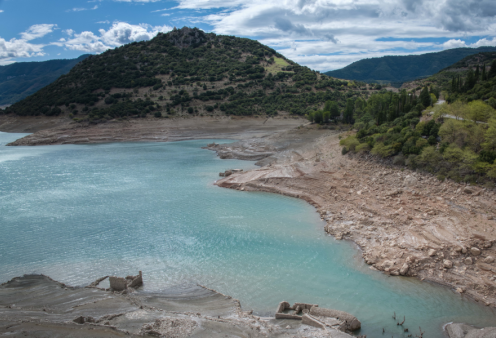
(118, 283)
(464, 250)
(458, 330)
(467, 191)
(459, 290)
(431, 252)
(488, 259)
(468, 261)
(475, 251)
(404, 269)
(447, 264)
(79, 320)
(410, 180)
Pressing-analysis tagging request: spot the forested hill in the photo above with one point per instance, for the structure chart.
(21, 79)
(399, 69)
(186, 71)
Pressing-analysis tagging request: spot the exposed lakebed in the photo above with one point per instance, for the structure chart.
(79, 212)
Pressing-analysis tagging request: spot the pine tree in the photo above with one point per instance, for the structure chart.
(470, 80)
(477, 74)
(425, 98)
(483, 76)
(492, 71)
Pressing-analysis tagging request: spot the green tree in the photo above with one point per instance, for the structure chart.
(425, 98)
(348, 113)
(492, 71)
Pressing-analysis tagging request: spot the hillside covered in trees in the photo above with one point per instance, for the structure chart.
(22, 79)
(399, 69)
(455, 139)
(187, 71)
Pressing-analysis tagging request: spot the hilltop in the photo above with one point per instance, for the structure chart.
(22, 79)
(399, 69)
(186, 72)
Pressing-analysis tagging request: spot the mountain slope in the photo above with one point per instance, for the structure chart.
(399, 69)
(186, 71)
(22, 79)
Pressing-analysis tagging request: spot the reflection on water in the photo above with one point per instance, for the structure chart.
(79, 212)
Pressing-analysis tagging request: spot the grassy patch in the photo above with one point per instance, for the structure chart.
(277, 66)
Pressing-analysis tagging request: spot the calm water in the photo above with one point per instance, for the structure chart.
(78, 212)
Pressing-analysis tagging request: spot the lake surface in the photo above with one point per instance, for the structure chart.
(79, 212)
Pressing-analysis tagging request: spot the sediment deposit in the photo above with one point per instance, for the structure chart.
(406, 223)
(50, 131)
(37, 306)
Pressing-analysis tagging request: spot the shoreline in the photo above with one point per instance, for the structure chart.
(38, 306)
(392, 228)
(405, 223)
(52, 131)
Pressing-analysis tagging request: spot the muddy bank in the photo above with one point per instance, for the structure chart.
(47, 131)
(37, 306)
(406, 223)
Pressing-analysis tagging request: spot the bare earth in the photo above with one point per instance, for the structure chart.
(37, 306)
(406, 223)
(64, 131)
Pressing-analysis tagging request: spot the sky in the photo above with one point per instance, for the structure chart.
(323, 35)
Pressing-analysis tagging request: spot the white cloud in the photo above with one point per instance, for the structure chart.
(37, 31)
(455, 43)
(22, 47)
(1, 10)
(323, 33)
(80, 9)
(120, 33)
(104, 22)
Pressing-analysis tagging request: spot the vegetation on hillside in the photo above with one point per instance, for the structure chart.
(458, 141)
(399, 69)
(22, 79)
(187, 71)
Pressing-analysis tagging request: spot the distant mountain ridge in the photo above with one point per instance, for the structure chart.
(22, 79)
(399, 69)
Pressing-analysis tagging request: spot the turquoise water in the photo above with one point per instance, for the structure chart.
(79, 212)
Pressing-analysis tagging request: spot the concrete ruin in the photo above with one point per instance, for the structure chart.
(120, 284)
(313, 315)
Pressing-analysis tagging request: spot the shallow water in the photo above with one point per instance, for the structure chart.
(79, 212)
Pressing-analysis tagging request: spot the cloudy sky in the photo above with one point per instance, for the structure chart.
(321, 34)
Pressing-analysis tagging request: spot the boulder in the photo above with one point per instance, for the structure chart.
(431, 252)
(447, 264)
(467, 191)
(459, 330)
(475, 251)
(488, 259)
(404, 269)
(468, 261)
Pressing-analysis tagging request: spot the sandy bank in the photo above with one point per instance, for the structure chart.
(47, 131)
(37, 306)
(406, 223)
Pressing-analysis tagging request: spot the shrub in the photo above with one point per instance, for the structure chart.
(399, 160)
(363, 147)
(157, 114)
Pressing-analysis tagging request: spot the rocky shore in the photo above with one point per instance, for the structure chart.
(37, 306)
(406, 223)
